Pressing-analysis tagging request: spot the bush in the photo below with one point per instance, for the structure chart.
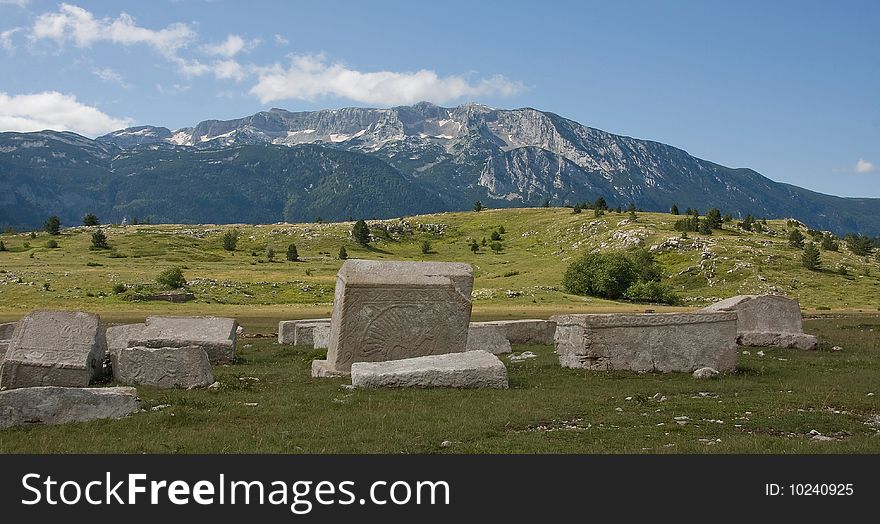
(714, 219)
(425, 247)
(495, 236)
(91, 220)
(478, 206)
(52, 225)
(2, 246)
(496, 247)
(171, 278)
(361, 233)
(474, 247)
(652, 292)
(99, 240)
(829, 243)
(606, 275)
(270, 254)
(343, 254)
(230, 240)
(119, 287)
(292, 254)
(747, 223)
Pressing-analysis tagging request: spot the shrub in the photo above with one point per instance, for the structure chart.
(2, 246)
(796, 238)
(52, 225)
(652, 292)
(646, 266)
(713, 217)
(119, 287)
(829, 243)
(270, 254)
(230, 240)
(674, 210)
(810, 258)
(606, 275)
(32, 235)
(52, 244)
(598, 212)
(501, 230)
(478, 206)
(495, 236)
(600, 204)
(576, 209)
(91, 220)
(425, 247)
(292, 254)
(99, 240)
(361, 233)
(171, 278)
(474, 247)
(747, 223)
(496, 247)
(343, 254)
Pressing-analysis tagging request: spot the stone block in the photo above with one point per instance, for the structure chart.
(321, 336)
(778, 340)
(54, 348)
(118, 338)
(767, 321)
(7, 329)
(289, 329)
(59, 405)
(647, 342)
(216, 335)
(386, 310)
(529, 331)
(472, 369)
(176, 367)
(487, 338)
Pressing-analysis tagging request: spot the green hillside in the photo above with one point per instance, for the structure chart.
(523, 279)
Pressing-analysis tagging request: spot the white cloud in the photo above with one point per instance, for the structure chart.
(80, 27)
(281, 40)
(56, 111)
(6, 38)
(19, 3)
(112, 77)
(863, 166)
(230, 47)
(310, 77)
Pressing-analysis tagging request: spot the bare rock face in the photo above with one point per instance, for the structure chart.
(487, 338)
(216, 335)
(184, 367)
(394, 310)
(529, 331)
(662, 342)
(59, 405)
(54, 348)
(299, 332)
(472, 369)
(767, 321)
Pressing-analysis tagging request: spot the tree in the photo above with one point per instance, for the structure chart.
(496, 247)
(99, 240)
(713, 216)
(474, 247)
(343, 254)
(501, 230)
(52, 244)
(270, 254)
(601, 204)
(361, 233)
(598, 212)
(90, 220)
(425, 247)
(810, 258)
(496, 236)
(292, 254)
(53, 225)
(546, 203)
(171, 278)
(796, 238)
(478, 206)
(747, 222)
(2, 246)
(674, 210)
(606, 275)
(860, 245)
(230, 240)
(576, 209)
(829, 243)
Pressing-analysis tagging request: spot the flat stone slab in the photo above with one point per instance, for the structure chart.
(185, 367)
(778, 340)
(299, 332)
(59, 405)
(390, 310)
(529, 331)
(216, 335)
(321, 336)
(54, 348)
(662, 342)
(7, 329)
(487, 338)
(118, 338)
(472, 369)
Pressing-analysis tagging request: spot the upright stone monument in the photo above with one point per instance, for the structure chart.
(767, 321)
(647, 342)
(394, 310)
(54, 348)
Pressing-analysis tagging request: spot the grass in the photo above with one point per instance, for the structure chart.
(269, 403)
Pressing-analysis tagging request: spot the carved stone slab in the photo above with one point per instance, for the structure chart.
(529, 331)
(394, 310)
(472, 369)
(216, 335)
(59, 405)
(647, 342)
(185, 367)
(117, 340)
(54, 348)
(767, 321)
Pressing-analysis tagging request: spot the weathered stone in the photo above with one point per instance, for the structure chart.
(704, 373)
(393, 310)
(216, 335)
(54, 348)
(647, 342)
(472, 369)
(118, 338)
(321, 336)
(299, 332)
(767, 321)
(58, 405)
(323, 369)
(487, 338)
(7, 329)
(529, 331)
(183, 367)
(4, 345)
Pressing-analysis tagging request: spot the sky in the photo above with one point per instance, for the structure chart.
(788, 88)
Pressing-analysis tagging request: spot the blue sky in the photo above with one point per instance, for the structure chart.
(789, 88)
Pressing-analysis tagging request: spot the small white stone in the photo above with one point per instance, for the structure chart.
(760, 353)
(705, 373)
(836, 348)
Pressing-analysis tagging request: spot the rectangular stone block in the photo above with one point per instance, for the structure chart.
(472, 369)
(216, 335)
(184, 367)
(321, 336)
(54, 348)
(486, 337)
(118, 338)
(767, 321)
(289, 329)
(393, 310)
(528, 331)
(59, 405)
(647, 342)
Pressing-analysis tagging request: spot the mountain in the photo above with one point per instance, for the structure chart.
(418, 158)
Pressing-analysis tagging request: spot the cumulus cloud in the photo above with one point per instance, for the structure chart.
(863, 166)
(309, 77)
(73, 24)
(230, 47)
(56, 111)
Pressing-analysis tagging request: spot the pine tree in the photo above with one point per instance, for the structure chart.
(829, 243)
(474, 247)
(53, 225)
(2, 246)
(674, 210)
(796, 239)
(478, 206)
(343, 254)
(99, 240)
(292, 254)
(230, 240)
(361, 233)
(747, 222)
(90, 220)
(713, 216)
(425, 247)
(600, 204)
(810, 258)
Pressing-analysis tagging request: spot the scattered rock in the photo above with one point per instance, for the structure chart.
(706, 372)
(525, 355)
